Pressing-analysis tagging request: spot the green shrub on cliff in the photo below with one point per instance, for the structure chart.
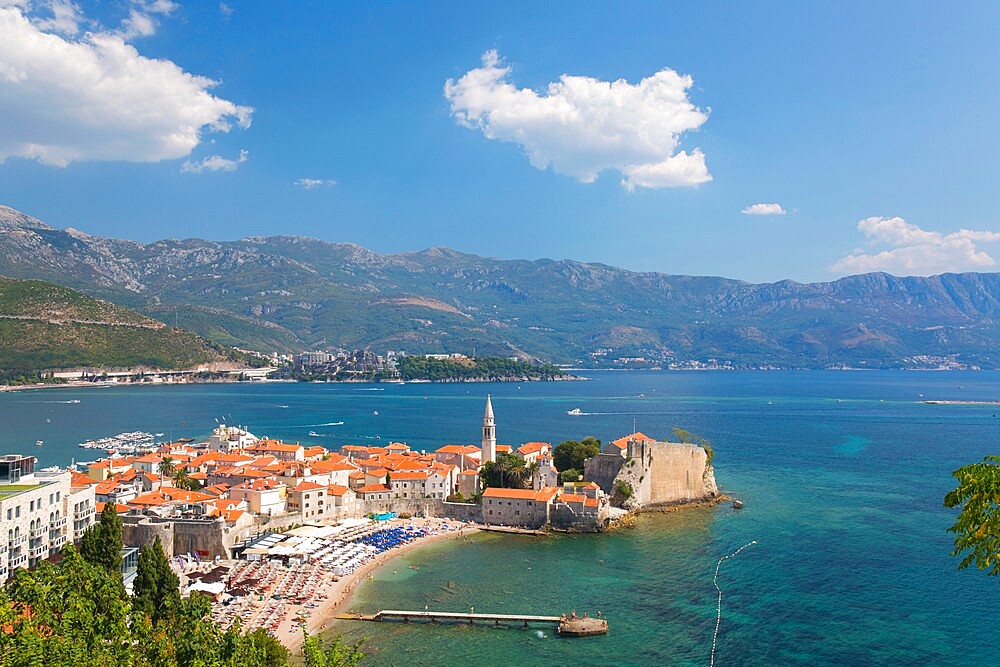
(623, 489)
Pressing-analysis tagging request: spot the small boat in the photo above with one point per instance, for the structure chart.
(314, 434)
(737, 504)
(375, 412)
(576, 412)
(39, 443)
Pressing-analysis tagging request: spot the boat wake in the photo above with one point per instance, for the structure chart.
(324, 424)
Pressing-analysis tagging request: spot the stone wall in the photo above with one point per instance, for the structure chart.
(563, 516)
(141, 531)
(209, 535)
(179, 536)
(667, 473)
(603, 469)
(412, 506)
(515, 512)
(463, 512)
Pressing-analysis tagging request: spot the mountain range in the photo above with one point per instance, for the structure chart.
(289, 293)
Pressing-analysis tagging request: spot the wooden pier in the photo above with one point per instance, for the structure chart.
(578, 626)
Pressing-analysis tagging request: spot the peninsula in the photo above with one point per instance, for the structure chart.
(279, 534)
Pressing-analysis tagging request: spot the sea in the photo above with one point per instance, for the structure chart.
(842, 474)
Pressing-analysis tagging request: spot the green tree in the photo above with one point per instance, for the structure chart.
(168, 466)
(156, 589)
(76, 613)
(334, 653)
(570, 475)
(977, 528)
(571, 454)
(508, 471)
(101, 543)
(683, 435)
(182, 480)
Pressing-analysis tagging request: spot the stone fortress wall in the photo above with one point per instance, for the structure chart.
(659, 473)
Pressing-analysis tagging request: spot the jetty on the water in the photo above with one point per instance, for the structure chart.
(578, 626)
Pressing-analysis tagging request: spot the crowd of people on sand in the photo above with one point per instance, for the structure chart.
(270, 594)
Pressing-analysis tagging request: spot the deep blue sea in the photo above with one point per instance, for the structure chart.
(842, 474)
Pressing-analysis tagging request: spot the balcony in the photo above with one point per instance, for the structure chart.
(57, 524)
(18, 560)
(83, 512)
(56, 541)
(37, 532)
(3, 548)
(39, 551)
(18, 541)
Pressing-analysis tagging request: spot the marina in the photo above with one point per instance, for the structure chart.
(129, 443)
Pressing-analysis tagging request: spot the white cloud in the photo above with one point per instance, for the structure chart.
(215, 163)
(916, 251)
(582, 125)
(97, 98)
(225, 10)
(764, 209)
(310, 183)
(141, 21)
(65, 18)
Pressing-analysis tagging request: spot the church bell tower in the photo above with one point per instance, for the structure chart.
(489, 433)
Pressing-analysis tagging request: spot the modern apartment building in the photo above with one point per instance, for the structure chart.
(36, 508)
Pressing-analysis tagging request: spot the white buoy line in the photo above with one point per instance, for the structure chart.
(715, 582)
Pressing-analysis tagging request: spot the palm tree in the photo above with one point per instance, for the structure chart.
(184, 481)
(167, 466)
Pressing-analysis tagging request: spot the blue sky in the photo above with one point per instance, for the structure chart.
(873, 126)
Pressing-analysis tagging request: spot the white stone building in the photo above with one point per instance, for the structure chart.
(34, 512)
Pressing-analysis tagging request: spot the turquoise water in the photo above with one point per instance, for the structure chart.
(842, 475)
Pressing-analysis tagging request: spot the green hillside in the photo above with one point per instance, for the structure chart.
(47, 327)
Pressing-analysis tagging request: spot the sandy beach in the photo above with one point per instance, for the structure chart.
(342, 591)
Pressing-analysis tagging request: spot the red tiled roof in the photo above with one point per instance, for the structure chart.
(308, 486)
(532, 447)
(544, 495)
(622, 443)
(121, 509)
(412, 474)
(78, 479)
